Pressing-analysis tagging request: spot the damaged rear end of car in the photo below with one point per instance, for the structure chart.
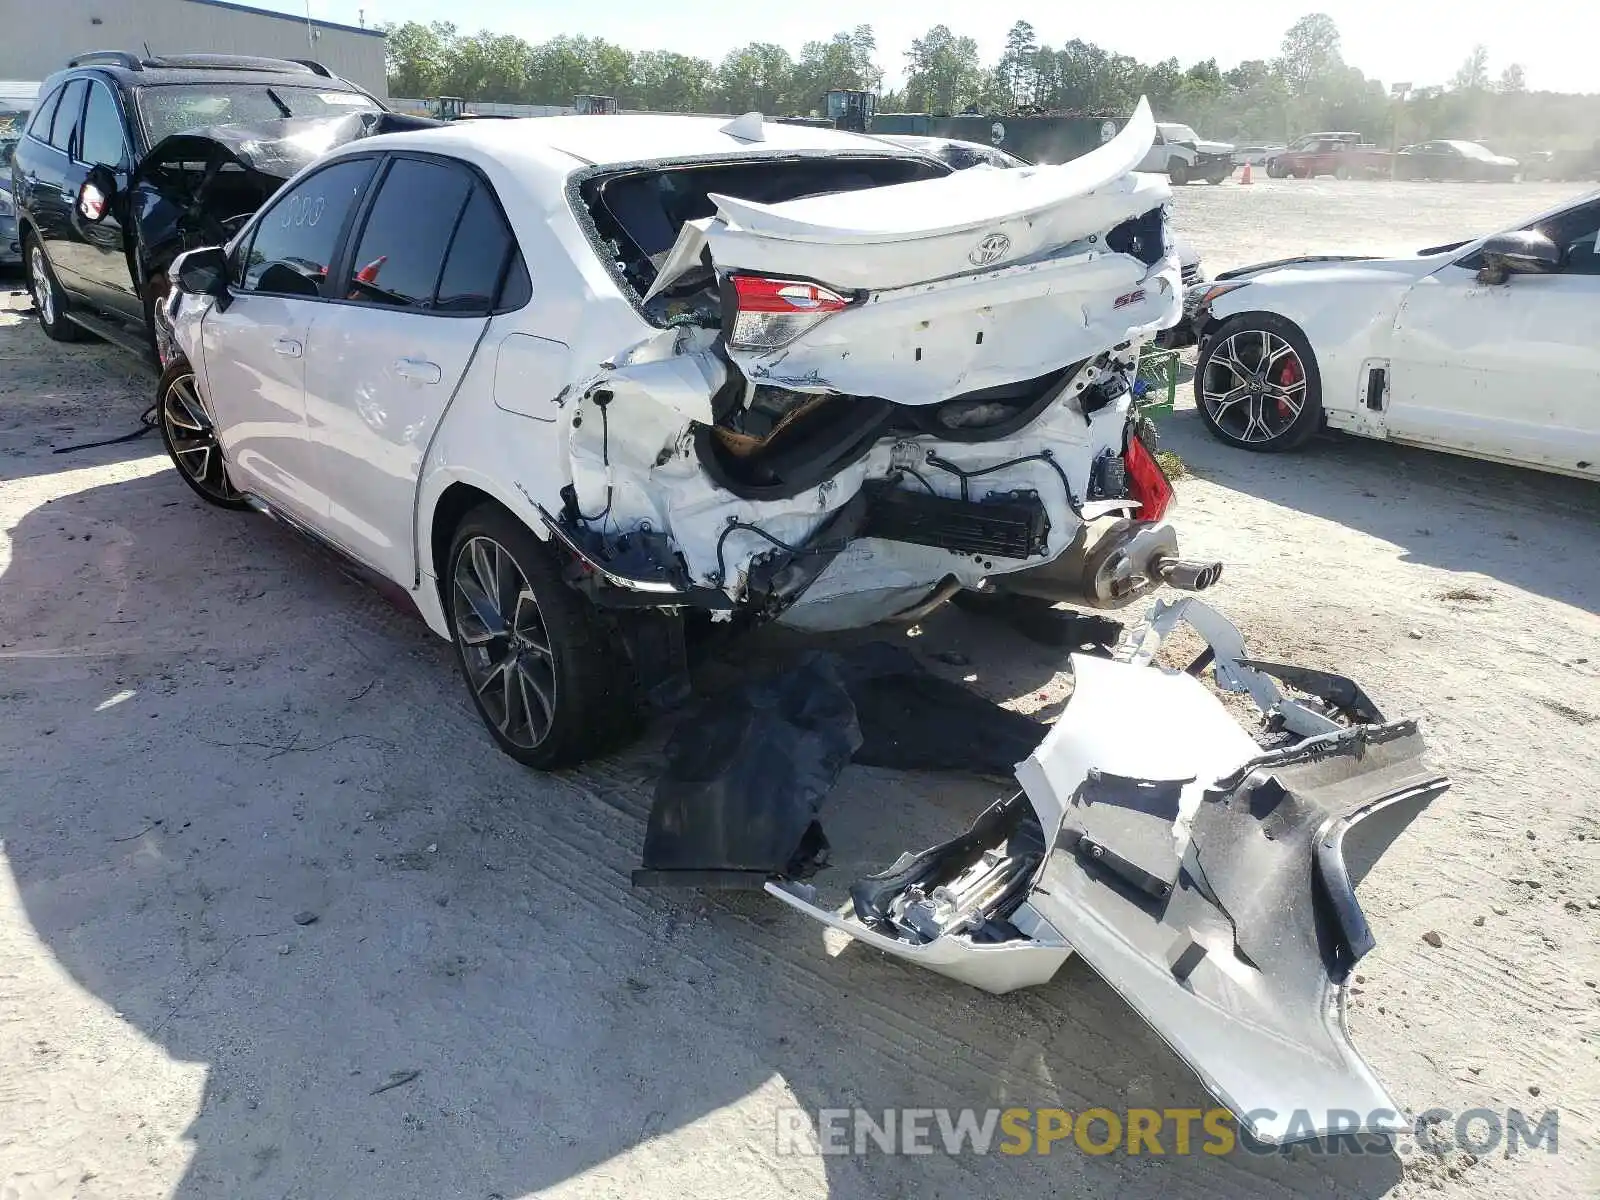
(871, 383)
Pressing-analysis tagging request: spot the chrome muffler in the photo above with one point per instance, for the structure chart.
(1113, 562)
(1187, 576)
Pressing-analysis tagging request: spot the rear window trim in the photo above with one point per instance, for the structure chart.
(585, 219)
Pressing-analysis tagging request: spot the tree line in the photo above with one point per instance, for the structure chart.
(1307, 86)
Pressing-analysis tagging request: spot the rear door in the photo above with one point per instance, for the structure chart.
(54, 189)
(1508, 370)
(255, 351)
(383, 362)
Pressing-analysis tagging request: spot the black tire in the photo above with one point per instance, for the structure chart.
(560, 647)
(191, 442)
(1178, 173)
(1237, 335)
(49, 301)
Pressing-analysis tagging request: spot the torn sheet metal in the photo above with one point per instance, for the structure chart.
(972, 280)
(1206, 874)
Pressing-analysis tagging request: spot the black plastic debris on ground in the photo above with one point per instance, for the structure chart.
(745, 776)
(747, 772)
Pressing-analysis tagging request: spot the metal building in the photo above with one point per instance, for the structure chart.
(54, 30)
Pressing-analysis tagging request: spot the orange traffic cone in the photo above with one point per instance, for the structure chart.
(1245, 178)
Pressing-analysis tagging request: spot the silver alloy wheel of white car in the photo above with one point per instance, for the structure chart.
(505, 647)
(1254, 387)
(44, 295)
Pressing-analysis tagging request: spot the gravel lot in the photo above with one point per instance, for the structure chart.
(205, 730)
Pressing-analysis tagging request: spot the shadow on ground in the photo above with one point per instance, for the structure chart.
(208, 731)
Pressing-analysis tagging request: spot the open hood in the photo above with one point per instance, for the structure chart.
(197, 188)
(277, 149)
(918, 292)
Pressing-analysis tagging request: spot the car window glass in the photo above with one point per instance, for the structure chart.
(102, 142)
(477, 257)
(1583, 256)
(67, 114)
(400, 256)
(40, 125)
(294, 239)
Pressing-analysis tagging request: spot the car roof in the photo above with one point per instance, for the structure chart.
(166, 75)
(612, 139)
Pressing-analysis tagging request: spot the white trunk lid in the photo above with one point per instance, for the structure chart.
(975, 279)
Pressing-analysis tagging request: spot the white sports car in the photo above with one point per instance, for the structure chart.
(1488, 348)
(555, 378)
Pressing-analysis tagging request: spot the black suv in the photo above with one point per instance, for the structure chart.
(129, 161)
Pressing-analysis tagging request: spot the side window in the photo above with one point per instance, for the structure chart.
(102, 143)
(1583, 255)
(39, 127)
(400, 255)
(477, 259)
(295, 237)
(67, 115)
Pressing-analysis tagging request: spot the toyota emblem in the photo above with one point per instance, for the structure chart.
(991, 250)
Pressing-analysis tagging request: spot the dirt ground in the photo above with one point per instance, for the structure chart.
(207, 732)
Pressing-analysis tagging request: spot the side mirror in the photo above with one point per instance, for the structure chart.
(1523, 252)
(96, 194)
(204, 272)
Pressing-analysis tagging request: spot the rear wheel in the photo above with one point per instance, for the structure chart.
(48, 299)
(541, 670)
(1178, 174)
(1257, 386)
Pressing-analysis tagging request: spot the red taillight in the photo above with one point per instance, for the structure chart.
(1147, 482)
(773, 312)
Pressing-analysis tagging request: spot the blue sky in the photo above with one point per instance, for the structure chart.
(1419, 41)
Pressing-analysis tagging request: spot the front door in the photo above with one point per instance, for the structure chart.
(417, 295)
(1509, 370)
(96, 251)
(255, 351)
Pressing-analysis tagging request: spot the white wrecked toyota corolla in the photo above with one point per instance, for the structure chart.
(562, 381)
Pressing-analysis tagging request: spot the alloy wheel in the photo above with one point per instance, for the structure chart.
(193, 439)
(504, 643)
(44, 296)
(1255, 386)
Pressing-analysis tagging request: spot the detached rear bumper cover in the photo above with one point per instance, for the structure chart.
(1209, 881)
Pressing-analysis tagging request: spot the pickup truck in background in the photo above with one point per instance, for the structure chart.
(1182, 154)
(1341, 154)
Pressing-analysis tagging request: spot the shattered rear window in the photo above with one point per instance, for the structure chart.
(638, 214)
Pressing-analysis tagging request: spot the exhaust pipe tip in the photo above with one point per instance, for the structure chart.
(1188, 576)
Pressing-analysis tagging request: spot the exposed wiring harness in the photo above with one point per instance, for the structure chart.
(1044, 456)
(602, 401)
(734, 523)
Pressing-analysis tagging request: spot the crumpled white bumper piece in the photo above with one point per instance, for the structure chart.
(1203, 877)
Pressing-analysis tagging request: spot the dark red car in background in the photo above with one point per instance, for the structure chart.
(1342, 154)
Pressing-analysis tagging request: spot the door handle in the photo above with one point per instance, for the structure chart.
(418, 370)
(288, 347)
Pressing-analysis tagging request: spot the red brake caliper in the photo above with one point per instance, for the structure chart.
(1288, 377)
